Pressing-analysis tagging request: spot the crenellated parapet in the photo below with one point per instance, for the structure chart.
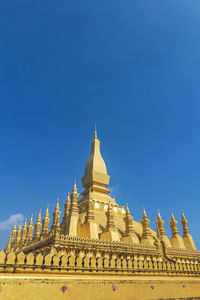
(98, 264)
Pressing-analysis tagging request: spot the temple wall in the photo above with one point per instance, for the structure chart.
(89, 287)
(36, 276)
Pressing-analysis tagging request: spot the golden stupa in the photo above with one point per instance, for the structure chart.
(98, 242)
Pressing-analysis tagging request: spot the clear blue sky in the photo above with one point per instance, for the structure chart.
(133, 67)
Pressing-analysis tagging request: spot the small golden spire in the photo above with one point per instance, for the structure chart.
(144, 213)
(74, 199)
(31, 220)
(64, 224)
(19, 231)
(110, 218)
(90, 209)
(160, 225)
(127, 209)
(45, 224)
(37, 227)
(95, 132)
(11, 242)
(57, 204)
(56, 215)
(187, 238)
(184, 225)
(57, 229)
(47, 212)
(183, 216)
(39, 216)
(25, 223)
(172, 216)
(30, 230)
(74, 188)
(128, 222)
(68, 203)
(24, 232)
(173, 225)
(159, 216)
(145, 225)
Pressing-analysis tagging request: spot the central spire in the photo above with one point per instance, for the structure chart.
(95, 162)
(95, 176)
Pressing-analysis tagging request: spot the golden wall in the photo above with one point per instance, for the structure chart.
(36, 276)
(90, 287)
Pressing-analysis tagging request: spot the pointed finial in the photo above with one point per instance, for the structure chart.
(127, 209)
(75, 188)
(159, 216)
(20, 227)
(25, 223)
(95, 132)
(183, 216)
(172, 216)
(144, 213)
(57, 204)
(47, 212)
(68, 196)
(15, 227)
(39, 216)
(31, 220)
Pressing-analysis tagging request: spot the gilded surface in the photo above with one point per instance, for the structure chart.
(98, 250)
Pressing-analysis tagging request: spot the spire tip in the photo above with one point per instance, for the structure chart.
(47, 211)
(95, 132)
(144, 213)
(183, 216)
(74, 188)
(172, 216)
